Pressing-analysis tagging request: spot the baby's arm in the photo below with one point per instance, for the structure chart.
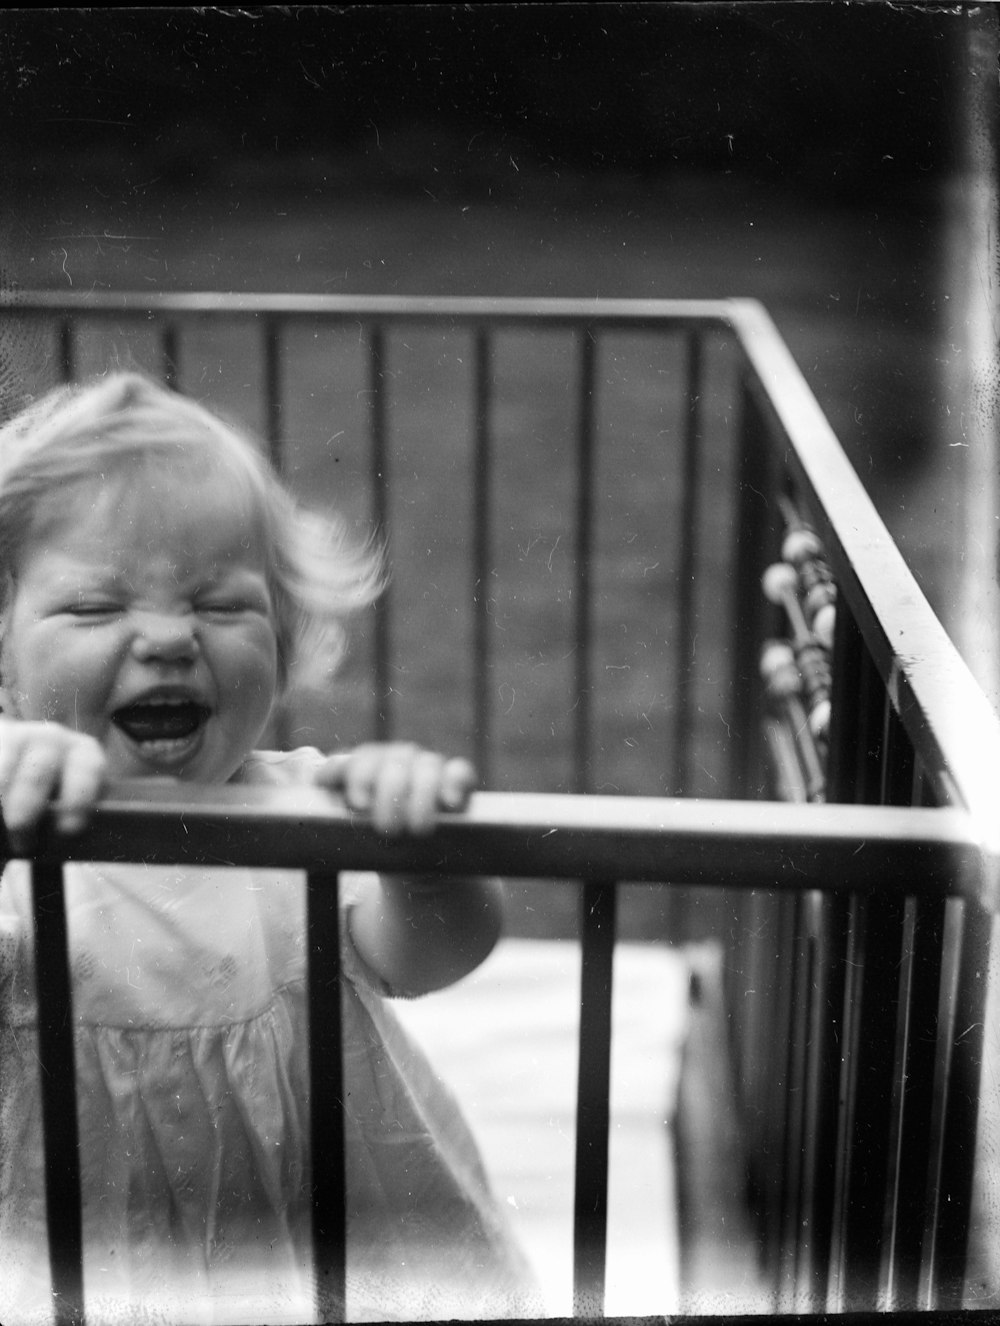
(45, 765)
(417, 933)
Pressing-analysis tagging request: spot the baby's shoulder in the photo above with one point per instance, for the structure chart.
(280, 768)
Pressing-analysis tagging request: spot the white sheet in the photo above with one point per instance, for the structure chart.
(505, 1039)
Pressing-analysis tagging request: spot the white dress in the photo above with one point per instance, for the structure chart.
(191, 1050)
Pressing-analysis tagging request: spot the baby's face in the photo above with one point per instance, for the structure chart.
(143, 617)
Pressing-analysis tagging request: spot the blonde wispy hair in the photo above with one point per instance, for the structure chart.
(89, 432)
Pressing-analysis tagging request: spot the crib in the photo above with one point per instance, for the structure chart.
(812, 793)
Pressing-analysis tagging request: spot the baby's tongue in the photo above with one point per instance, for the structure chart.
(159, 721)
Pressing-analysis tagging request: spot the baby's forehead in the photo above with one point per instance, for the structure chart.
(192, 516)
(162, 483)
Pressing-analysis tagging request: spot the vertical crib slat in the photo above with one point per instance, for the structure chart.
(273, 411)
(920, 981)
(754, 1008)
(482, 529)
(272, 390)
(755, 534)
(853, 712)
(593, 1108)
(682, 742)
(829, 918)
(584, 546)
(867, 1089)
(800, 956)
(380, 519)
(169, 355)
(57, 1070)
(956, 1092)
(66, 351)
(326, 1096)
(776, 1048)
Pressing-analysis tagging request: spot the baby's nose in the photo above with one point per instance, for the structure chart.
(170, 637)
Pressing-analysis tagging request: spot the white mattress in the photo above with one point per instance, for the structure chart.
(505, 1039)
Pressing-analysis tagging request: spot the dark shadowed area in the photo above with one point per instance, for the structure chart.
(820, 157)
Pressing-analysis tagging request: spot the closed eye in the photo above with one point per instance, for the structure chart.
(230, 607)
(91, 609)
(234, 596)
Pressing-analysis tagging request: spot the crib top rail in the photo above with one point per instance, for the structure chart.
(736, 844)
(456, 309)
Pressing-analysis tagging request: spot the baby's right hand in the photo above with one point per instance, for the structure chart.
(46, 763)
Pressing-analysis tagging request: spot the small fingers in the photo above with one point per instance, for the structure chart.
(41, 763)
(355, 773)
(458, 782)
(401, 785)
(397, 785)
(84, 776)
(409, 796)
(31, 779)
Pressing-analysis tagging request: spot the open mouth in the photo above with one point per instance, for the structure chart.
(161, 721)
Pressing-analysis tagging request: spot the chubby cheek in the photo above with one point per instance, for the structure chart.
(62, 699)
(50, 682)
(247, 681)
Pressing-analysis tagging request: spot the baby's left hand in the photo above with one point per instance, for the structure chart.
(401, 785)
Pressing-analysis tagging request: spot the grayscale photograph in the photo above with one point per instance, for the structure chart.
(499, 663)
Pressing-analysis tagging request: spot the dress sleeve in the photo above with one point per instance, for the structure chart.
(353, 884)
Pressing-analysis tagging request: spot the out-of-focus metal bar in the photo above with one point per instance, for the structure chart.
(859, 771)
(482, 551)
(66, 350)
(958, 1083)
(776, 1051)
(584, 534)
(593, 1105)
(828, 929)
(800, 958)
(755, 974)
(380, 518)
(909, 1142)
(847, 1094)
(57, 1070)
(789, 780)
(687, 565)
(756, 537)
(273, 394)
(847, 665)
(897, 763)
(326, 1096)
(873, 1079)
(273, 408)
(908, 1094)
(170, 355)
(874, 958)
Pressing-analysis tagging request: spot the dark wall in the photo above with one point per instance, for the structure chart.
(834, 95)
